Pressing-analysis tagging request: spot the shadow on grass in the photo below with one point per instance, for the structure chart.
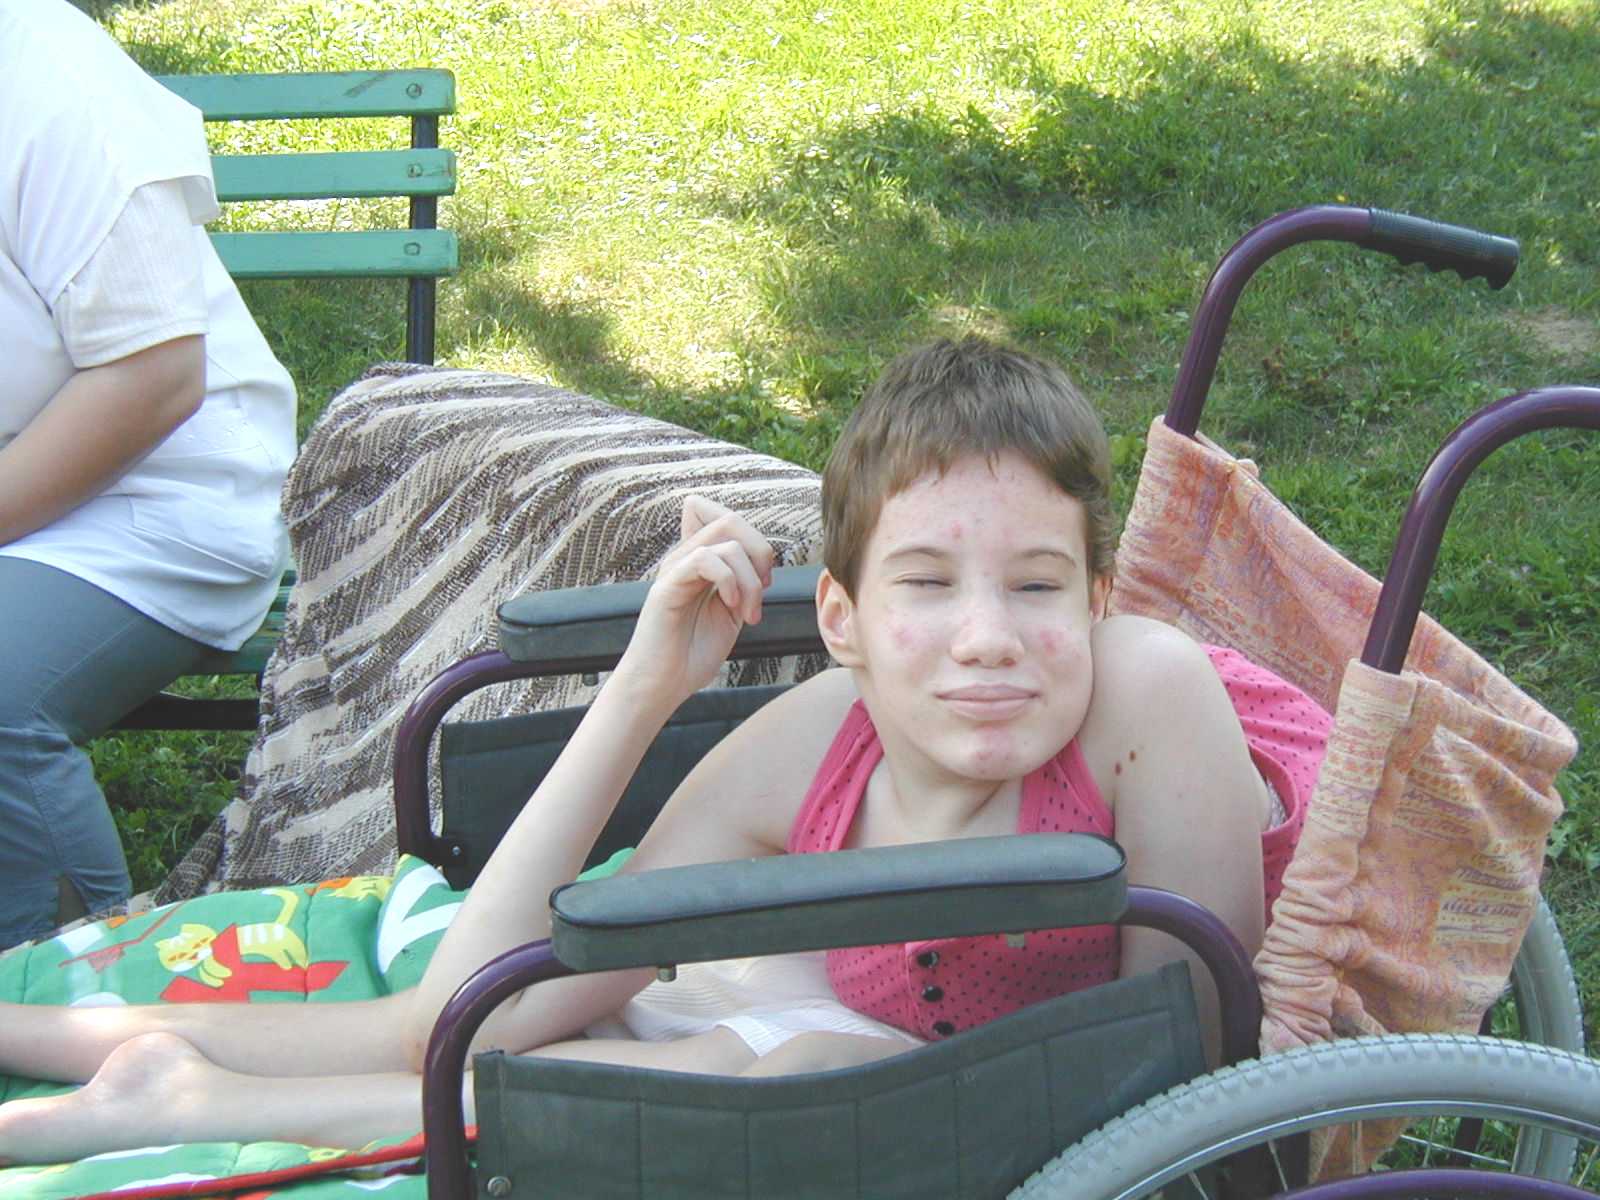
(904, 224)
(332, 330)
(914, 217)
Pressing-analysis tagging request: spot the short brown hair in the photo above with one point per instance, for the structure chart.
(945, 401)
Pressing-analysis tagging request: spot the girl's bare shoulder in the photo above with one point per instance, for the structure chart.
(808, 714)
(1128, 648)
(1151, 680)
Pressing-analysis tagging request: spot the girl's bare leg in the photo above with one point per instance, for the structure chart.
(720, 1051)
(158, 1089)
(352, 1038)
(824, 1052)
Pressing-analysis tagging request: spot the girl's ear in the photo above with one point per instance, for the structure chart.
(1099, 596)
(836, 614)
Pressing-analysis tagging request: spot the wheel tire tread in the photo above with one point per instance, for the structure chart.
(1201, 1112)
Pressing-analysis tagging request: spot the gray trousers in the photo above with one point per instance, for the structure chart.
(73, 659)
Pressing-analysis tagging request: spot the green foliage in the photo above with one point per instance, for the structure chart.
(165, 788)
(730, 214)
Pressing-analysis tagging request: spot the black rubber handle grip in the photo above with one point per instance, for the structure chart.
(1441, 247)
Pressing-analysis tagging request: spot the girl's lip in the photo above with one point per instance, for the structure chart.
(987, 702)
(986, 692)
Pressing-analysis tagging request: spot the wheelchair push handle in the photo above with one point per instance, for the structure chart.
(1410, 239)
(1422, 528)
(1441, 247)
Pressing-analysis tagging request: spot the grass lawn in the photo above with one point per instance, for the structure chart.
(730, 213)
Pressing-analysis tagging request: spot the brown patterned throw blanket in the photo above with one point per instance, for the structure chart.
(422, 500)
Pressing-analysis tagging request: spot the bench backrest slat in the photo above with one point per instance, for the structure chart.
(388, 253)
(420, 253)
(361, 173)
(317, 94)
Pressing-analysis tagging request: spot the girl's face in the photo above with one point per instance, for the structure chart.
(969, 630)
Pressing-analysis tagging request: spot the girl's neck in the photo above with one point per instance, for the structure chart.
(909, 802)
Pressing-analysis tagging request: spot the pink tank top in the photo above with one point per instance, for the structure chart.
(933, 989)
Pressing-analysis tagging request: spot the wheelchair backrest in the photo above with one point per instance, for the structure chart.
(488, 769)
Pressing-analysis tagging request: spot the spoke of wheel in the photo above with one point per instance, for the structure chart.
(1594, 1154)
(1427, 1148)
(1278, 1167)
(1471, 1155)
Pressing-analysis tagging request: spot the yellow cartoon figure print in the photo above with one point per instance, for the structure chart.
(210, 964)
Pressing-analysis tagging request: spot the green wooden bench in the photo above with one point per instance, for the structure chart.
(419, 253)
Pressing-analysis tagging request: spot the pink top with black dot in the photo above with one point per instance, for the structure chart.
(932, 989)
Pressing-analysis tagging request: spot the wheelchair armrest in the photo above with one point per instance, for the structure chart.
(849, 898)
(597, 621)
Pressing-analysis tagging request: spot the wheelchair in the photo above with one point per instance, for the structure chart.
(1101, 1093)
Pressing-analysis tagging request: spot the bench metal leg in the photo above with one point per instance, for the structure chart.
(167, 711)
(422, 290)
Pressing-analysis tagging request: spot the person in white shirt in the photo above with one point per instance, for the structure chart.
(145, 431)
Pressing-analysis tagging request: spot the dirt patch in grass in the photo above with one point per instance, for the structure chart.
(1559, 332)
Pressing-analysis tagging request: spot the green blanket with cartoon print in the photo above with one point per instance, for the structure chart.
(343, 939)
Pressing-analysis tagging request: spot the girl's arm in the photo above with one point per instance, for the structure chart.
(707, 587)
(1165, 745)
(102, 421)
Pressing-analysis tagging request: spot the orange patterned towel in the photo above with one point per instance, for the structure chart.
(1418, 871)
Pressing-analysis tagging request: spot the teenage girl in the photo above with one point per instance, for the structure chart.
(981, 690)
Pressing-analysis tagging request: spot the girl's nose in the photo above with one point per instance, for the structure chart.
(987, 636)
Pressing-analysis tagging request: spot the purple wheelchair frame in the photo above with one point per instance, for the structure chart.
(1409, 239)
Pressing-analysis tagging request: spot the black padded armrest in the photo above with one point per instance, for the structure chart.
(848, 898)
(596, 622)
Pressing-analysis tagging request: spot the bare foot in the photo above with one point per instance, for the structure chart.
(145, 1094)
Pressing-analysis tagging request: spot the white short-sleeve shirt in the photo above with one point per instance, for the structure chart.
(104, 183)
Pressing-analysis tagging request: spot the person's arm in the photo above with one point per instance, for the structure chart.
(1188, 801)
(707, 587)
(102, 421)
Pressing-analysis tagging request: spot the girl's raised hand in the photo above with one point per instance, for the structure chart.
(708, 586)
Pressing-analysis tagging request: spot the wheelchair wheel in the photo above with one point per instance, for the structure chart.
(1427, 1079)
(1544, 1008)
(1544, 991)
